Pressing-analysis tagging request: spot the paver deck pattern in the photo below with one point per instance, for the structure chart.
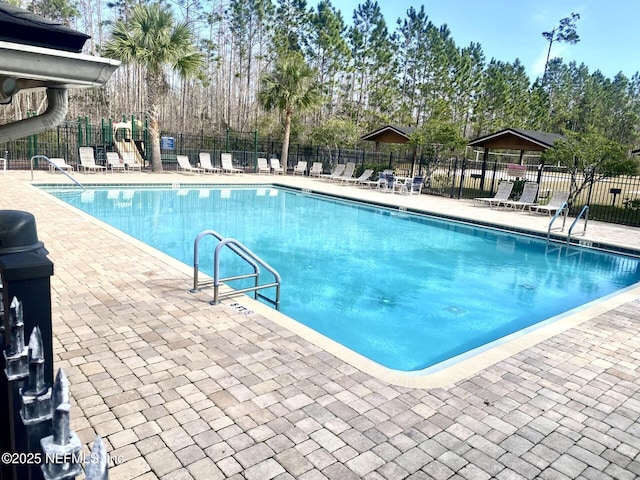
(180, 389)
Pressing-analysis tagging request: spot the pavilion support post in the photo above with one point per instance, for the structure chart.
(485, 158)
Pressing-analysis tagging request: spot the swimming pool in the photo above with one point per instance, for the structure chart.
(407, 291)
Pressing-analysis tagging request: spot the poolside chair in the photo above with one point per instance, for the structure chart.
(364, 177)
(226, 161)
(276, 167)
(527, 198)
(130, 161)
(412, 186)
(60, 163)
(88, 161)
(185, 166)
(380, 182)
(389, 184)
(348, 172)
(504, 190)
(316, 169)
(263, 166)
(557, 201)
(205, 162)
(300, 168)
(114, 162)
(339, 170)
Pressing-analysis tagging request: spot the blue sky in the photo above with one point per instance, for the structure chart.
(510, 29)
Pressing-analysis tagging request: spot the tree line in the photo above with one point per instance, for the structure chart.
(369, 72)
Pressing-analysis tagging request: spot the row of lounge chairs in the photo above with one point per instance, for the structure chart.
(115, 162)
(343, 173)
(527, 200)
(206, 166)
(387, 181)
(126, 161)
(226, 165)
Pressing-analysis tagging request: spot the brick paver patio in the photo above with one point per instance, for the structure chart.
(179, 389)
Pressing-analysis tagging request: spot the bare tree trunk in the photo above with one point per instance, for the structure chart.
(285, 142)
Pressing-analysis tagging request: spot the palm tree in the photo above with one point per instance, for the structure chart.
(291, 88)
(152, 40)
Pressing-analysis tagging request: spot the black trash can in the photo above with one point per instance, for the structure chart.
(25, 273)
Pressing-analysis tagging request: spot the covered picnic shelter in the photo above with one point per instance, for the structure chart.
(516, 139)
(513, 139)
(389, 134)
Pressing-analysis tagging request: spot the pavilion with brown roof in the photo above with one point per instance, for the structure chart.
(516, 139)
(389, 134)
(513, 139)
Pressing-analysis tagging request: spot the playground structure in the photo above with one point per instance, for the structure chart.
(125, 142)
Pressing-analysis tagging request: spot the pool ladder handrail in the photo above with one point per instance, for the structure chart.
(245, 254)
(57, 168)
(563, 208)
(585, 212)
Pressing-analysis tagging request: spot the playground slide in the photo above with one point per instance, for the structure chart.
(124, 146)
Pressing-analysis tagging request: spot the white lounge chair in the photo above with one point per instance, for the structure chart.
(114, 162)
(316, 169)
(300, 168)
(130, 161)
(527, 198)
(263, 166)
(185, 166)
(276, 167)
(205, 162)
(504, 190)
(364, 177)
(60, 163)
(227, 164)
(88, 161)
(339, 170)
(557, 201)
(347, 174)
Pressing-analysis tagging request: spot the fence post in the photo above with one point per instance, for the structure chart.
(16, 363)
(485, 158)
(43, 429)
(453, 177)
(63, 445)
(36, 400)
(462, 172)
(97, 467)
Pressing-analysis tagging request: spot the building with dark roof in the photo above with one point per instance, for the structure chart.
(36, 53)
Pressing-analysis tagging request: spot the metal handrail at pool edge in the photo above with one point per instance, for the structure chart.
(563, 208)
(585, 212)
(56, 167)
(248, 256)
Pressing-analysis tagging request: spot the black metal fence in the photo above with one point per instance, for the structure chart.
(615, 200)
(36, 441)
(246, 147)
(39, 443)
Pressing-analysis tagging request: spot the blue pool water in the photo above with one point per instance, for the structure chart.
(406, 291)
